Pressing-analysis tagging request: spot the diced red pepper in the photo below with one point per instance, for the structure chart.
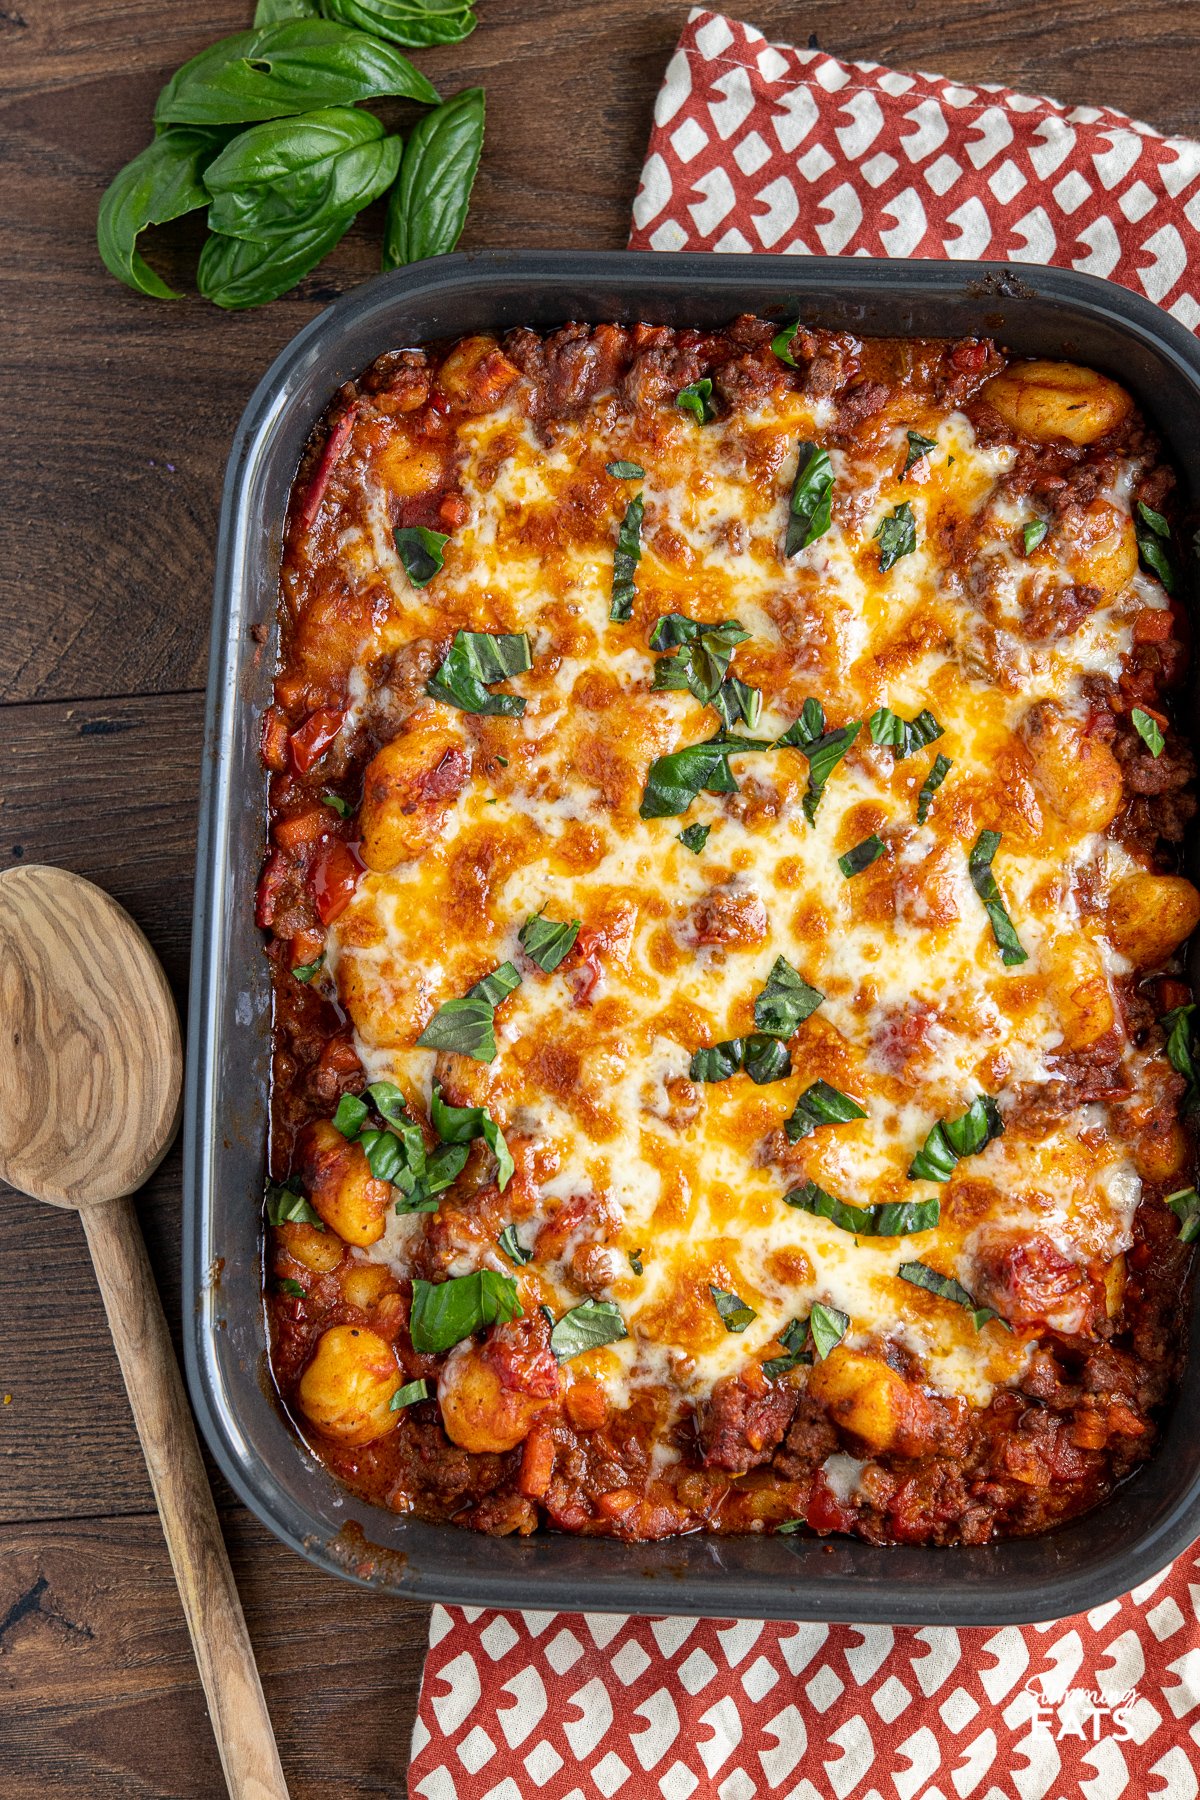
(537, 1463)
(310, 740)
(333, 878)
(306, 947)
(274, 739)
(336, 442)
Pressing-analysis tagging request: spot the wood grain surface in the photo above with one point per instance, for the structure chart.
(118, 414)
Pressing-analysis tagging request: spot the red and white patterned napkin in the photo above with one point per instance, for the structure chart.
(760, 146)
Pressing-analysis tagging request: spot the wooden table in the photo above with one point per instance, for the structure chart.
(117, 415)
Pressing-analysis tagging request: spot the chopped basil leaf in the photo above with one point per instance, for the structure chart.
(408, 1395)
(445, 1312)
(890, 1218)
(512, 1246)
(1181, 1049)
(1032, 534)
(547, 941)
(385, 1153)
(1186, 1206)
(793, 1337)
(442, 1166)
(897, 536)
(985, 885)
(468, 1025)
(946, 1288)
(702, 658)
(421, 552)
(827, 1327)
(735, 1314)
(635, 1260)
(286, 1208)
(694, 838)
(824, 749)
(389, 1103)
(952, 1139)
(785, 1002)
(351, 1115)
(735, 702)
(461, 1124)
(918, 447)
(293, 1288)
(781, 343)
(340, 806)
(697, 398)
(942, 766)
(1146, 728)
(626, 471)
(819, 1105)
(306, 971)
(810, 509)
(1153, 538)
(475, 660)
(673, 781)
(787, 1526)
(854, 861)
(626, 557)
(903, 736)
(587, 1327)
(763, 1057)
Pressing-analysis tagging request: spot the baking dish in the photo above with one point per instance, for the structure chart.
(1045, 312)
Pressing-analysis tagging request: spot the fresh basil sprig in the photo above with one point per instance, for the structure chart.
(428, 205)
(785, 1001)
(587, 1327)
(413, 23)
(853, 861)
(986, 886)
(1185, 1204)
(445, 1312)
(903, 736)
(626, 557)
(810, 507)
(918, 447)
(673, 781)
(287, 1208)
(420, 550)
(820, 1105)
(162, 183)
(547, 941)
(734, 1312)
(1153, 541)
(762, 1057)
(1148, 730)
(942, 766)
(462, 1124)
(468, 1025)
(952, 1139)
(946, 1288)
(475, 660)
(897, 534)
(823, 749)
(696, 398)
(889, 1218)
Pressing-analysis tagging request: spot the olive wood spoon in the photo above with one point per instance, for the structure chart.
(90, 1075)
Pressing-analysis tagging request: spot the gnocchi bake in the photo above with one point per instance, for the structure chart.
(733, 1064)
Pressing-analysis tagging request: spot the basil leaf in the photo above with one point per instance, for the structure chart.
(702, 662)
(819, 1105)
(824, 750)
(305, 971)
(286, 68)
(512, 1246)
(1181, 1047)
(468, 1025)
(163, 182)
(385, 1154)
(1186, 1206)
(272, 215)
(985, 885)
(273, 12)
(408, 1395)
(853, 862)
(442, 1166)
(236, 272)
(942, 766)
(626, 557)
(407, 22)
(735, 1314)
(635, 1261)
(420, 550)
(1148, 730)
(1153, 538)
(793, 1337)
(903, 736)
(695, 837)
(785, 1002)
(787, 1526)
(673, 781)
(1032, 534)
(696, 398)
(810, 509)
(295, 1289)
(351, 1115)
(897, 536)
(763, 1057)
(918, 447)
(427, 208)
(781, 344)
(547, 941)
(946, 1288)
(389, 1103)
(341, 807)
(475, 659)
(286, 1208)
(827, 1327)
(587, 1327)
(952, 1139)
(625, 471)
(445, 1312)
(892, 1218)
(461, 1124)
(735, 702)
(275, 174)
(718, 1063)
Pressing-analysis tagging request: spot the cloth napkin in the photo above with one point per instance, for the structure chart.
(760, 146)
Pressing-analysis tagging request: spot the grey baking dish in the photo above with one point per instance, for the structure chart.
(1147, 1522)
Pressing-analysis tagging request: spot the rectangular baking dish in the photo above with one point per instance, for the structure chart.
(1148, 1521)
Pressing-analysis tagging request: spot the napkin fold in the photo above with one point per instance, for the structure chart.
(763, 147)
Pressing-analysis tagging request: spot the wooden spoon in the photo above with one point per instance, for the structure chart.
(90, 1075)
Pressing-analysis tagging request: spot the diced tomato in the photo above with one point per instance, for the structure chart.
(1169, 994)
(336, 442)
(586, 1403)
(269, 884)
(453, 511)
(1153, 625)
(306, 947)
(824, 1511)
(313, 738)
(274, 739)
(616, 1503)
(333, 878)
(302, 828)
(970, 358)
(537, 1463)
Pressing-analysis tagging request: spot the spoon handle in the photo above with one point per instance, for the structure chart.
(240, 1721)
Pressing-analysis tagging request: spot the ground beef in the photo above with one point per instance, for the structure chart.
(742, 1421)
